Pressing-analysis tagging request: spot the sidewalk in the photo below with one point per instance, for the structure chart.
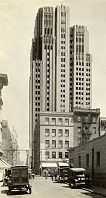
(99, 190)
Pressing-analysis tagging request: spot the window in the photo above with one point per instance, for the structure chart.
(60, 121)
(53, 132)
(94, 130)
(47, 154)
(79, 118)
(66, 144)
(66, 121)
(54, 154)
(60, 145)
(60, 132)
(97, 159)
(67, 132)
(53, 121)
(60, 155)
(79, 129)
(87, 160)
(47, 143)
(53, 143)
(94, 119)
(66, 154)
(47, 120)
(47, 132)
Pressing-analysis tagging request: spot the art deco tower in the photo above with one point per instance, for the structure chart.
(80, 68)
(60, 79)
(49, 69)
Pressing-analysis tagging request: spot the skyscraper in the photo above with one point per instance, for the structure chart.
(80, 68)
(50, 58)
(49, 71)
(60, 79)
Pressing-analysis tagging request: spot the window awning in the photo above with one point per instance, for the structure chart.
(61, 164)
(48, 165)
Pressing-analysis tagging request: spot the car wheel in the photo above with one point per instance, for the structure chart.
(30, 191)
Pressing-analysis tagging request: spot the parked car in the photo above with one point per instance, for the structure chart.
(77, 177)
(19, 179)
(63, 174)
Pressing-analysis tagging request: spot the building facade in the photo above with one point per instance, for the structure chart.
(3, 82)
(54, 136)
(92, 157)
(80, 68)
(60, 69)
(49, 67)
(86, 125)
(9, 145)
(102, 125)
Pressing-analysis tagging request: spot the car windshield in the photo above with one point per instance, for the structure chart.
(79, 174)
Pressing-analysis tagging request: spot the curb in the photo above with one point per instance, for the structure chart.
(101, 194)
(92, 190)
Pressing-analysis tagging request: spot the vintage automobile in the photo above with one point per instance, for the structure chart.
(63, 174)
(19, 179)
(77, 177)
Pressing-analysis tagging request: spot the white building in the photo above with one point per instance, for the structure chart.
(54, 136)
(57, 52)
(80, 68)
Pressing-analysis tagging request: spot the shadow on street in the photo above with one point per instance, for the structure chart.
(13, 192)
(86, 191)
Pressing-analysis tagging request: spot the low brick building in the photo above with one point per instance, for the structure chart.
(91, 156)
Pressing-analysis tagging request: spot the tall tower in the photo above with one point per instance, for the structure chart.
(60, 80)
(49, 66)
(50, 47)
(43, 58)
(62, 58)
(80, 68)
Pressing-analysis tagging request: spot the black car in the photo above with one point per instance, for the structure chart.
(77, 177)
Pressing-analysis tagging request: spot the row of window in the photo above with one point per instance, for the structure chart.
(63, 35)
(79, 88)
(79, 68)
(62, 59)
(78, 73)
(82, 63)
(87, 103)
(55, 155)
(56, 144)
(87, 118)
(48, 47)
(59, 133)
(60, 121)
(48, 31)
(79, 39)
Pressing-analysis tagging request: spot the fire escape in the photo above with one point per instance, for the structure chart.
(86, 131)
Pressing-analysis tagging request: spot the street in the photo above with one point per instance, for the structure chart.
(45, 188)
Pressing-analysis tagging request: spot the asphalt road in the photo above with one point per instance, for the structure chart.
(45, 188)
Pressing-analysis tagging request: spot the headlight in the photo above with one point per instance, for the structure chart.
(76, 180)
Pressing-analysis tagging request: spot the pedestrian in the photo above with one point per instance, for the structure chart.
(55, 175)
(45, 174)
(33, 175)
(52, 175)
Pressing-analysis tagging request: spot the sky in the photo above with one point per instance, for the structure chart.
(17, 19)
